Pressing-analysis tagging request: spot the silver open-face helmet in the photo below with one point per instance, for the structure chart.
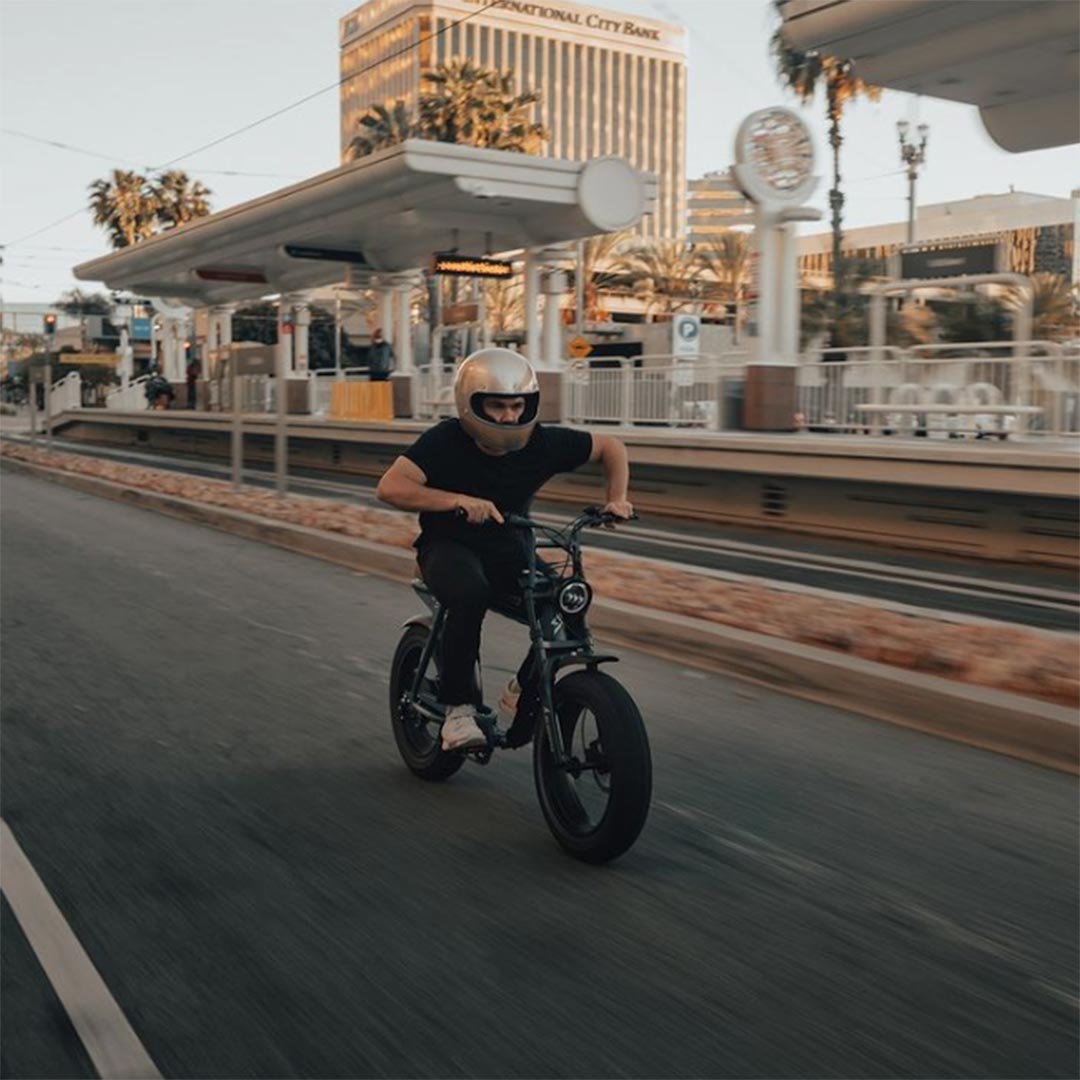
(496, 373)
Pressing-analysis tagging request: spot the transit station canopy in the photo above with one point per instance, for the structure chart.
(384, 214)
(1015, 59)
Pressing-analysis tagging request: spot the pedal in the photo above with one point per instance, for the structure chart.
(488, 722)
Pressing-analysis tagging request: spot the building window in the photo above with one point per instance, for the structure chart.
(568, 98)
(579, 92)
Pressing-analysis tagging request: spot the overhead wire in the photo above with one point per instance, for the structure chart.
(280, 112)
(130, 161)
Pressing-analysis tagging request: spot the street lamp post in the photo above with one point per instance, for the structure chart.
(912, 155)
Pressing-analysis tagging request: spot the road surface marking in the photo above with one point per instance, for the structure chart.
(113, 1047)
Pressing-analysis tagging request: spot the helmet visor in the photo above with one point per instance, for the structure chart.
(509, 409)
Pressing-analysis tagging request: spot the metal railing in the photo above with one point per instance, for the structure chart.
(977, 388)
(321, 385)
(662, 390)
(66, 393)
(829, 389)
(130, 398)
(434, 384)
(256, 393)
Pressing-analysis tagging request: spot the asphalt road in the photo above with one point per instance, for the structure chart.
(196, 758)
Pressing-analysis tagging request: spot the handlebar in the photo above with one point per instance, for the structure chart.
(591, 517)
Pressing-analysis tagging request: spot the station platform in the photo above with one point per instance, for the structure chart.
(1017, 500)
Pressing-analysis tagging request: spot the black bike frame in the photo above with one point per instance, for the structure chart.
(539, 590)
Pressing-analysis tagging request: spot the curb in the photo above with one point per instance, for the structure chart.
(994, 720)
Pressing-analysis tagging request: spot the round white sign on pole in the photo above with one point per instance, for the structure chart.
(611, 193)
(774, 156)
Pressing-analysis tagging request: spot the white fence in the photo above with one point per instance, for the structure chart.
(130, 398)
(321, 386)
(66, 393)
(980, 388)
(691, 392)
(258, 392)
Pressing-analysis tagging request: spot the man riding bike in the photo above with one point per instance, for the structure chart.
(467, 472)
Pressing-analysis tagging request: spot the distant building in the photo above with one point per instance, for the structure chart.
(1028, 233)
(610, 83)
(713, 204)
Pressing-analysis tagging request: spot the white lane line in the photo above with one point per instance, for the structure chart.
(113, 1047)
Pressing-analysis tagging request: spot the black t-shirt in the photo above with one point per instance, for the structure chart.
(452, 461)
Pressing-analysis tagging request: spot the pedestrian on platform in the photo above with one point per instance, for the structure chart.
(194, 370)
(380, 357)
(159, 391)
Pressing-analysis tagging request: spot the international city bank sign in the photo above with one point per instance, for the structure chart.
(591, 20)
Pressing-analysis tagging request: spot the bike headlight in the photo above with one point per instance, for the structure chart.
(574, 597)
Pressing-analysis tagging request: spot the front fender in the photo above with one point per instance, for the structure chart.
(581, 661)
(419, 620)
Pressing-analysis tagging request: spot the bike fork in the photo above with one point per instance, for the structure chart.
(432, 643)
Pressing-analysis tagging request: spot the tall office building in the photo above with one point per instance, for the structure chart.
(715, 203)
(609, 83)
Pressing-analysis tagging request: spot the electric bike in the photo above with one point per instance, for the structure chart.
(591, 761)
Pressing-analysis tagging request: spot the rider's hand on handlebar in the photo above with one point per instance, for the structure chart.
(620, 508)
(477, 511)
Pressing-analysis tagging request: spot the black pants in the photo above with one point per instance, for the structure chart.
(465, 582)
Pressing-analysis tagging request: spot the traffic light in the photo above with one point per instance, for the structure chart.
(50, 323)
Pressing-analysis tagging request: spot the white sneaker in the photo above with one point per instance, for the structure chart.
(460, 729)
(508, 703)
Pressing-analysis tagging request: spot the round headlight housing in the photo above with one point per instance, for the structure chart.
(574, 596)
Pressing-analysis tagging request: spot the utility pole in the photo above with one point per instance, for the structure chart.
(912, 155)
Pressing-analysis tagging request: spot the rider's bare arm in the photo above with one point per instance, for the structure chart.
(404, 485)
(612, 456)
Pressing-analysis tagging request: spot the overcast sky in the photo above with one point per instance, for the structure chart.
(143, 82)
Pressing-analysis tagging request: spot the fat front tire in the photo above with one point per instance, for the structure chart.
(597, 815)
(419, 742)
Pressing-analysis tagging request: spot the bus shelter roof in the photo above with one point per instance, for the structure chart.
(383, 214)
(1014, 59)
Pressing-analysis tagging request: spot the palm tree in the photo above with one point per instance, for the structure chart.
(77, 302)
(1055, 306)
(504, 119)
(599, 269)
(381, 127)
(465, 104)
(479, 107)
(179, 198)
(804, 72)
(126, 205)
(727, 258)
(505, 305)
(665, 272)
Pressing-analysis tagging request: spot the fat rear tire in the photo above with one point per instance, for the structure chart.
(624, 745)
(418, 743)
